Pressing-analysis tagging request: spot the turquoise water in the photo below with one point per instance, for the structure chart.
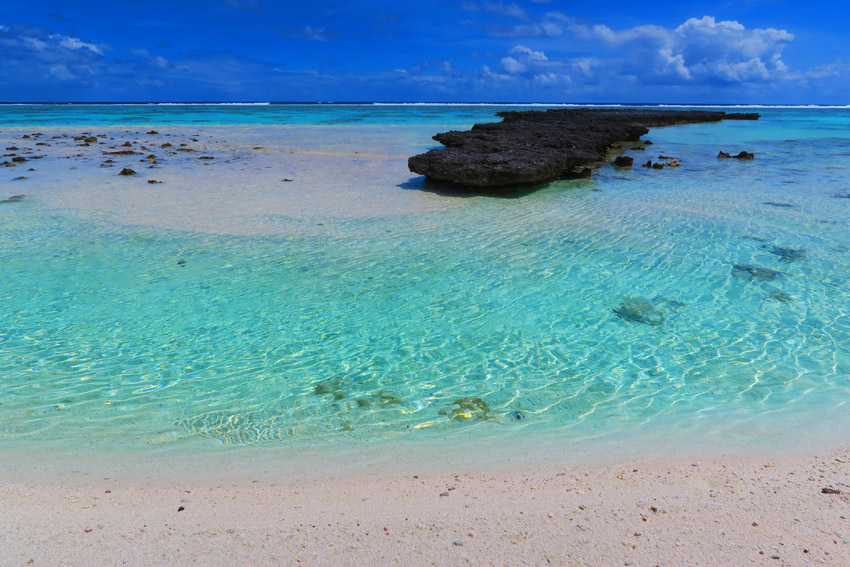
(585, 307)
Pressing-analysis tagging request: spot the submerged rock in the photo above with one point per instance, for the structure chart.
(780, 296)
(13, 199)
(386, 398)
(333, 387)
(751, 272)
(467, 408)
(638, 310)
(780, 205)
(788, 254)
(534, 147)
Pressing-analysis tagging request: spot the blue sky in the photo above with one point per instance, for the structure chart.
(746, 51)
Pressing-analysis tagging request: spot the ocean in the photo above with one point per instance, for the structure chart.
(301, 289)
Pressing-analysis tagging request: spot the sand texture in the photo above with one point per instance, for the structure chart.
(723, 513)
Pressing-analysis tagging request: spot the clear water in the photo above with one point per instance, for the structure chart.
(586, 307)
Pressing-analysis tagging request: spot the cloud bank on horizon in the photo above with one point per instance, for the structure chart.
(245, 50)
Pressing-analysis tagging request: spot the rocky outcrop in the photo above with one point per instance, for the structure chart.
(535, 147)
(741, 155)
(623, 161)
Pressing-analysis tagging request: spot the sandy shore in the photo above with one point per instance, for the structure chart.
(721, 512)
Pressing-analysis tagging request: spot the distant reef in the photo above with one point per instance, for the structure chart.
(534, 147)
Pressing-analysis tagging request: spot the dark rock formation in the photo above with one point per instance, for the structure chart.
(741, 155)
(623, 161)
(534, 147)
(127, 171)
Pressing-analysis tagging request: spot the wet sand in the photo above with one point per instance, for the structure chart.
(220, 180)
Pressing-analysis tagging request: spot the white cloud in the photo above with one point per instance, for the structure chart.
(525, 65)
(511, 65)
(74, 43)
(701, 50)
(528, 54)
(512, 10)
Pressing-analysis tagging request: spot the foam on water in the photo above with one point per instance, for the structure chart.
(709, 299)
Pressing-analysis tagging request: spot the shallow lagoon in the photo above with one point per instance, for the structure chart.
(355, 305)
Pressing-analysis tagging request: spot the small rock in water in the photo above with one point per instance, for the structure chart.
(333, 387)
(387, 398)
(467, 408)
(788, 254)
(153, 181)
(637, 310)
(775, 204)
(842, 196)
(13, 199)
(657, 165)
(755, 272)
(623, 161)
(127, 171)
(745, 155)
(780, 296)
(829, 490)
(724, 155)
